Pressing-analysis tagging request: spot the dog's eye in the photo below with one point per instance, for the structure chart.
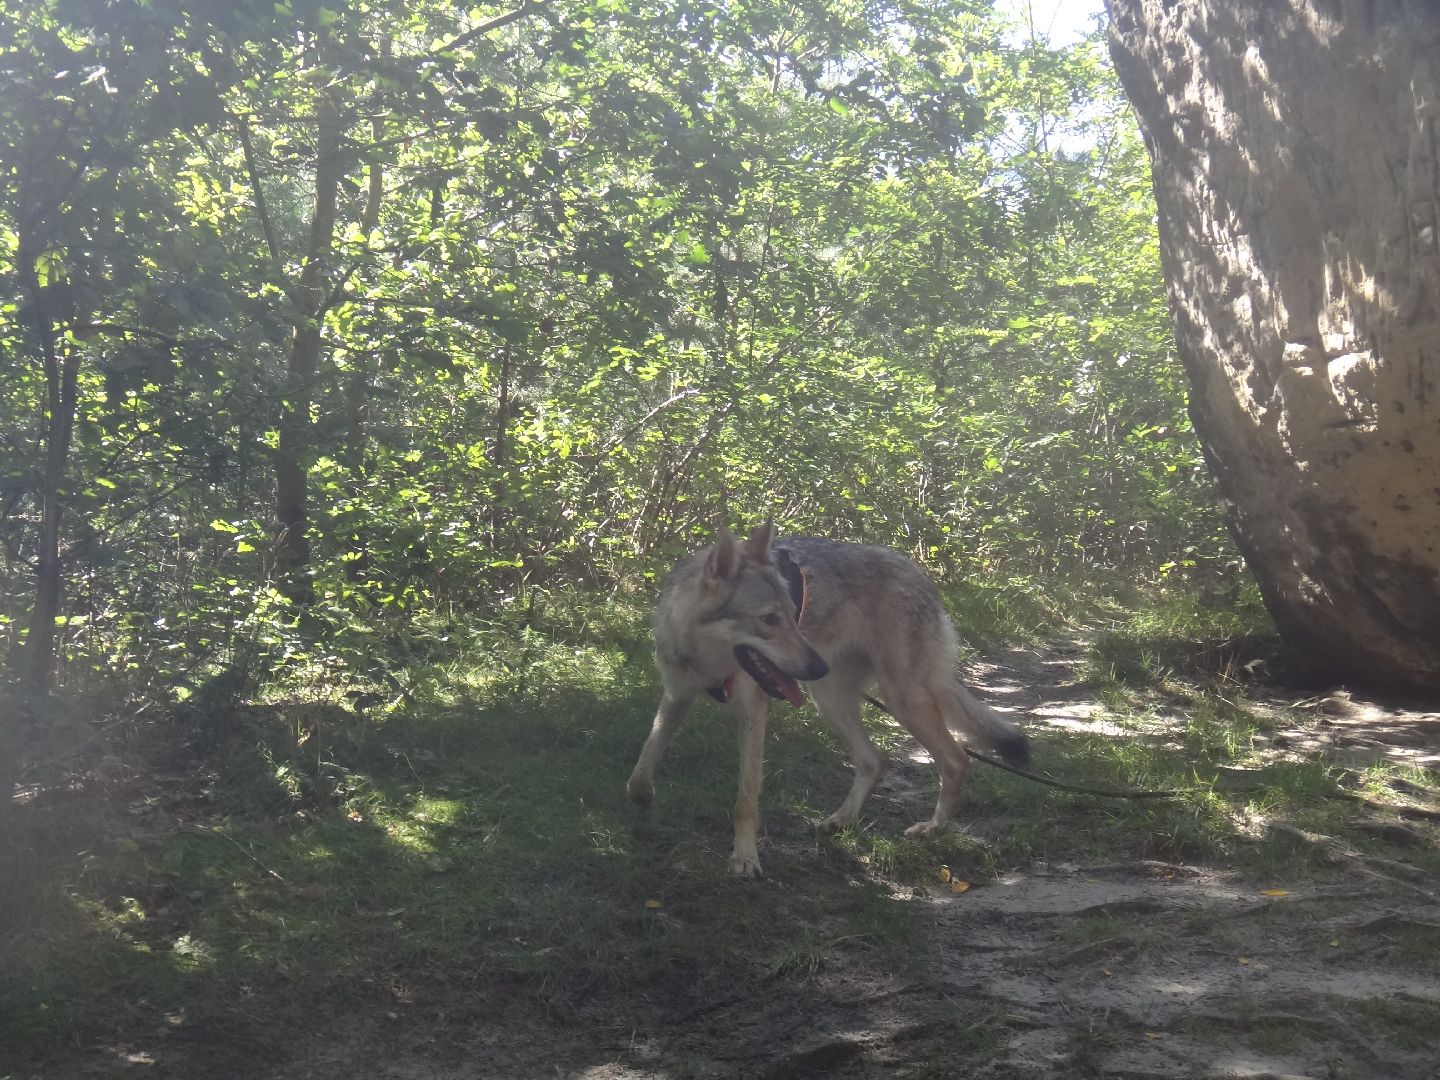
(771, 620)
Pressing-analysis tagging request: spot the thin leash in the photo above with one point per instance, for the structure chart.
(1107, 793)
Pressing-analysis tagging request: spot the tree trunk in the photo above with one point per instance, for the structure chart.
(61, 373)
(1297, 177)
(360, 378)
(501, 455)
(292, 478)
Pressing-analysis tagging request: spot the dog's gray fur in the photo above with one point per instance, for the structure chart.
(871, 616)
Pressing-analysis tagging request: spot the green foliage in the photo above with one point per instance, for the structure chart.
(600, 274)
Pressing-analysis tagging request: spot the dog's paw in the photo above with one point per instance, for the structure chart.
(927, 828)
(745, 865)
(836, 822)
(641, 791)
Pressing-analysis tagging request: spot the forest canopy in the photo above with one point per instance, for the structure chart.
(323, 322)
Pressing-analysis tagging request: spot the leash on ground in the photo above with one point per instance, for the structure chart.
(1104, 793)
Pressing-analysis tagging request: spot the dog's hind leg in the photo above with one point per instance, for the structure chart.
(919, 709)
(750, 707)
(838, 700)
(672, 710)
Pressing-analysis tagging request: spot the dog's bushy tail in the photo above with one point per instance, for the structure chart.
(986, 727)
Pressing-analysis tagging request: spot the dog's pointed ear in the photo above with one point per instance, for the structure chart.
(724, 557)
(757, 544)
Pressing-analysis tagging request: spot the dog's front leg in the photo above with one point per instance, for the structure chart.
(673, 707)
(750, 709)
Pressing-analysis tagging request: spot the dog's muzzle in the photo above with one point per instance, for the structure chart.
(779, 684)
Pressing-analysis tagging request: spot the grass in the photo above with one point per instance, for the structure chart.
(1412, 1023)
(476, 830)
(1311, 1021)
(974, 1030)
(453, 835)
(920, 860)
(1176, 673)
(1019, 610)
(1090, 1045)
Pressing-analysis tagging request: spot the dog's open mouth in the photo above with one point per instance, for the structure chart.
(771, 679)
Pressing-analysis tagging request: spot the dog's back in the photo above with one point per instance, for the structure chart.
(877, 616)
(847, 582)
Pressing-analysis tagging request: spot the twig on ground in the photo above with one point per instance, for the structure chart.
(241, 847)
(1093, 950)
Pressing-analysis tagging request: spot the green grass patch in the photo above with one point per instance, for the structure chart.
(1162, 633)
(472, 830)
(919, 860)
(974, 1030)
(1411, 1023)
(1261, 1027)
(1404, 1021)
(1090, 1045)
(999, 611)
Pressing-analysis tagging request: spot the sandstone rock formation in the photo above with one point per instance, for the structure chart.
(1296, 154)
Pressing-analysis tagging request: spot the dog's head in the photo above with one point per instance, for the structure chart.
(749, 610)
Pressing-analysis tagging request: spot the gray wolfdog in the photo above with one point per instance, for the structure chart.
(740, 620)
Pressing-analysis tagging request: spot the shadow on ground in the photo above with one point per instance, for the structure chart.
(1089, 939)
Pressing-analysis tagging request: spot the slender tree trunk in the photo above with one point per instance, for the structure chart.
(1296, 154)
(35, 664)
(501, 455)
(306, 351)
(357, 441)
(61, 372)
(359, 378)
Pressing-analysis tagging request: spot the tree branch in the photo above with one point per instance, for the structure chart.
(503, 19)
(261, 211)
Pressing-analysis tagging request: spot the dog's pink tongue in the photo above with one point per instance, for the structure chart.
(791, 689)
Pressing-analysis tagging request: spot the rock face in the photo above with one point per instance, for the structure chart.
(1296, 154)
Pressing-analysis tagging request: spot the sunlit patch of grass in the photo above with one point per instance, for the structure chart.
(975, 1030)
(1401, 785)
(1167, 633)
(1217, 730)
(919, 860)
(1089, 1045)
(1046, 823)
(1205, 822)
(476, 824)
(992, 612)
(802, 959)
(1251, 1023)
